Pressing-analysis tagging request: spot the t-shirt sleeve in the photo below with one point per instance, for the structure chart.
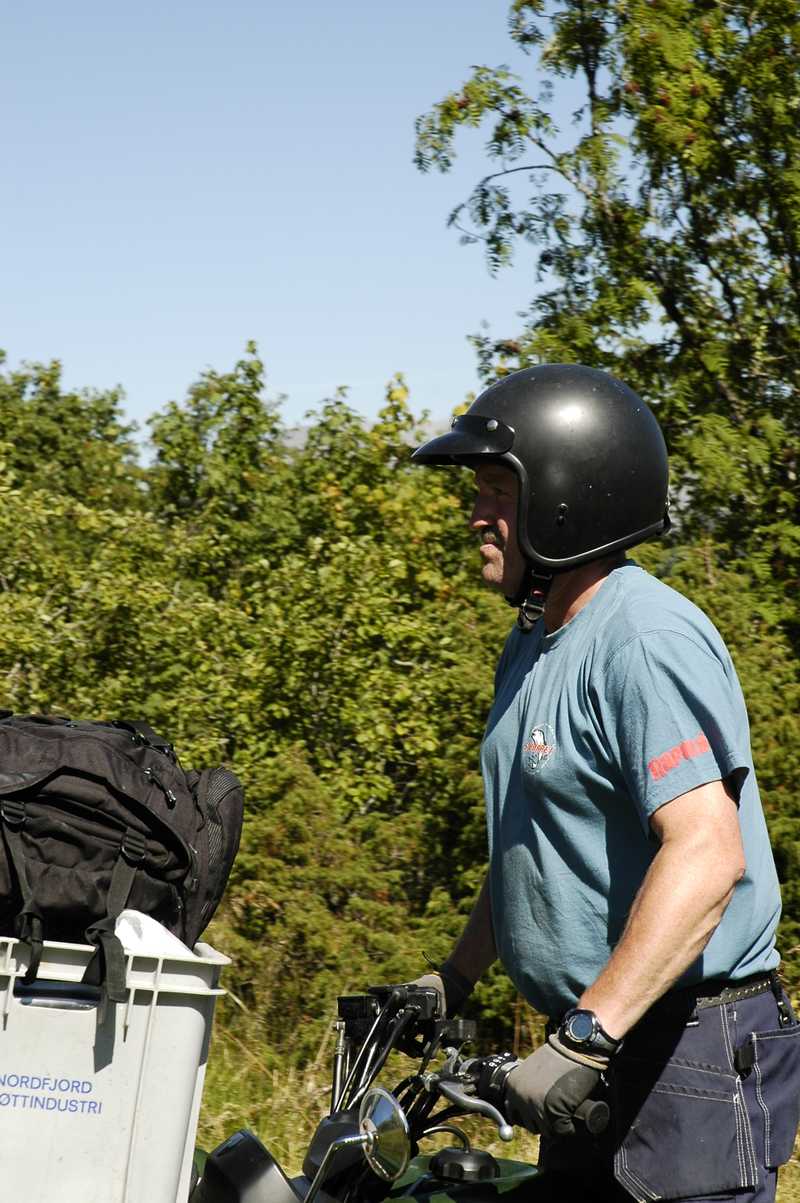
(669, 714)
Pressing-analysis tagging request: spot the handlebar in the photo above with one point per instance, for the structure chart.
(408, 1017)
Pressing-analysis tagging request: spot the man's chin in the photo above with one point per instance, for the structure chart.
(492, 578)
(499, 584)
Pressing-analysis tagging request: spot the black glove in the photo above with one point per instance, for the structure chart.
(545, 1090)
(452, 987)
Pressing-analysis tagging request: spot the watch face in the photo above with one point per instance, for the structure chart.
(580, 1026)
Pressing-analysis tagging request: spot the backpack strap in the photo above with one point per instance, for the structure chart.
(107, 966)
(145, 734)
(29, 926)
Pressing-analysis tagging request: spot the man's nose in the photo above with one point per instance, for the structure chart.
(482, 514)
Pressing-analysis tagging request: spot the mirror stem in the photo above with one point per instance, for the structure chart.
(343, 1142)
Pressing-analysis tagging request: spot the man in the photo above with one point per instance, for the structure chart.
(631, 894)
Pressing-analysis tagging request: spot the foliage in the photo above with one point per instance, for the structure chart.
(69, 443)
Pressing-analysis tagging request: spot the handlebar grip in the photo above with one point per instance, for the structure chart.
(595, 1114)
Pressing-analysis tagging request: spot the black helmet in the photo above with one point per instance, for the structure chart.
(589, 455)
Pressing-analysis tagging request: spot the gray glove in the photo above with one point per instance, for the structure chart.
(452, 987)
(545, 1090)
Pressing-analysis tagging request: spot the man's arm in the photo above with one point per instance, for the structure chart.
(475, 949)
(680, 903)
(472, 954)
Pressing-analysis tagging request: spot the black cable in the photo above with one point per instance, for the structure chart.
(373, 1068)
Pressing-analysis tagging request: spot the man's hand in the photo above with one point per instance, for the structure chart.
(451, 986)
(545, 1090)
(473, 953)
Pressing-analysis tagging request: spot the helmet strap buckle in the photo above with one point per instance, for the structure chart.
(532, 598)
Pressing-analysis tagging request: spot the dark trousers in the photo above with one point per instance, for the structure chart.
(705, 1104)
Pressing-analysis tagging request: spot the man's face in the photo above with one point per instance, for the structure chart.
(494, 521)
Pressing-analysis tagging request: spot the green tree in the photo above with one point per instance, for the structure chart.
(75, 443)
(220, 470)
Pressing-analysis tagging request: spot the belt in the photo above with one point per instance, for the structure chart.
(728, 992)
(716, 993)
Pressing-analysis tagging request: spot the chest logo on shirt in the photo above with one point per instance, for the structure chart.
(539, 747)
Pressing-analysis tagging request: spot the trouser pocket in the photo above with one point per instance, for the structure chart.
(775, 1058)
(682, 1130)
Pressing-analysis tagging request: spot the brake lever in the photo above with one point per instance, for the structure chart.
(456, 1094)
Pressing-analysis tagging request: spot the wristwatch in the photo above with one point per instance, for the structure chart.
(582, 1031)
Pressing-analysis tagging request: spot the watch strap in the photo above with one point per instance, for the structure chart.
(598, 1042)
(594, 1060)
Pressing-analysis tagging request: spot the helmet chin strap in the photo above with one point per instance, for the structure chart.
(531, 597)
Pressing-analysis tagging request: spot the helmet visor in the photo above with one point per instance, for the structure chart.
(470, 436)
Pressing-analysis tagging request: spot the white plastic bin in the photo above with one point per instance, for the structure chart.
(102, 1107)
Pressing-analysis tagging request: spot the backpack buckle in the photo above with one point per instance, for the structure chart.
(133, 847)
(12, 812)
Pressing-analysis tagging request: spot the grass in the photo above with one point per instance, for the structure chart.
(244, 1090)
(789, 1179)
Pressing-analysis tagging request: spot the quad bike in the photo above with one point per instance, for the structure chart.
(362, 1150)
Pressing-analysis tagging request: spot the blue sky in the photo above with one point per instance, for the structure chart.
(184, 177)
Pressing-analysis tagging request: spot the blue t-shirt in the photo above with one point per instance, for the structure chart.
(633, 702)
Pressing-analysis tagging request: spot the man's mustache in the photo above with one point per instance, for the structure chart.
(490, 534)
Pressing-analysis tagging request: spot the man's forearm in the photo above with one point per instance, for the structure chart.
(475, 949)
(678, 907)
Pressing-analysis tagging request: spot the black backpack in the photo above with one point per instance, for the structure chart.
(96, 817)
